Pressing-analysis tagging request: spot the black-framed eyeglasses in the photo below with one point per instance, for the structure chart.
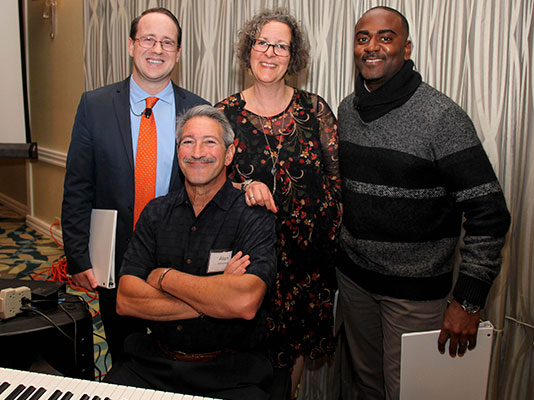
(280, 49)
(148, 42)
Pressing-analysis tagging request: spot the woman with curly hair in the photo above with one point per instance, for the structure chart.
(286, 160)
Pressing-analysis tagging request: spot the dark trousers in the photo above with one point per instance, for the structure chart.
(281, 386)
(232, 376)
(117, 327)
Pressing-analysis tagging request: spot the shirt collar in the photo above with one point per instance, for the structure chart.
(223, 199)
(226, 195)
(138, 95)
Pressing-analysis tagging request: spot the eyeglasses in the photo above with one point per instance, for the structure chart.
(279, 49)
(148, 42)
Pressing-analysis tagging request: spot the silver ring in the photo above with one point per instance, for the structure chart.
(251, 196)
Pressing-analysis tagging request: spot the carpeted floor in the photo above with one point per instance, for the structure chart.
(26, 254)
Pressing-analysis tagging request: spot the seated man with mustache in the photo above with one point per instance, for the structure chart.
(197, 269)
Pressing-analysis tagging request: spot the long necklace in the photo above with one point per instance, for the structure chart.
(274, 160)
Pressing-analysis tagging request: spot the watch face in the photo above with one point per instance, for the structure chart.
(470, 308)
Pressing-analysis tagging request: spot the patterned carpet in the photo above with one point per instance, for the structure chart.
(26, 254)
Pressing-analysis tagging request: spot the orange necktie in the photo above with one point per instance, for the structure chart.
(146, 160)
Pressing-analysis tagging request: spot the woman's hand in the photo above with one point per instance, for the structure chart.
(237, 264)
(258, 194)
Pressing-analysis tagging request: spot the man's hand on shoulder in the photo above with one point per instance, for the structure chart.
(460, 327)
(85, 279)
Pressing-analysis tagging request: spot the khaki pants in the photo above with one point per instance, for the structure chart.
(373, 326)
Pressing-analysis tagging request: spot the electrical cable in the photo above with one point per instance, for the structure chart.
(33, 310)
(519, 322)
(75, 347)
(108, 354)
(58, 272)
(99, 375)
(100, 336)
(52, 234)
(146, 112)
(61, 306)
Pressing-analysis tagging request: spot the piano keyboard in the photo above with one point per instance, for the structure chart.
(25, 385)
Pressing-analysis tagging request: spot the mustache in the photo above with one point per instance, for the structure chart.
(372, 55)
(188, 160)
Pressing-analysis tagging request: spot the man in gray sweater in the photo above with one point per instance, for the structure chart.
(413, 169)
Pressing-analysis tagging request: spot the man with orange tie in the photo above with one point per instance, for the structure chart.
(122, 154)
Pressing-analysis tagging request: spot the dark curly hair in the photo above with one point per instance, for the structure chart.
(300, 48)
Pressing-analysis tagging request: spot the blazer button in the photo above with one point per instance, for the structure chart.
(188, 261)
(179, 328)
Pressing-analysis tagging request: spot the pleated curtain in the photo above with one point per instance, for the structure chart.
(478, 52)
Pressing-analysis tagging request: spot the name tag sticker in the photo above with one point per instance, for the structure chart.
(218, 260)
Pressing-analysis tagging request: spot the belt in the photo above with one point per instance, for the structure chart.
(177, 355)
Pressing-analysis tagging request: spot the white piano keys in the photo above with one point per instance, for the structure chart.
(28, 387)
(157, 395)
(106, 390)
(95, 389)
(76, 387)
(27, 379)
(79, 388)
(172, 396)
(14, 378)
(37, 383)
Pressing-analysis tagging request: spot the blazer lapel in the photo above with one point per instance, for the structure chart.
(121, 105)
(176, 179)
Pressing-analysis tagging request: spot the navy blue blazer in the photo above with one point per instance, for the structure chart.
(100, 169)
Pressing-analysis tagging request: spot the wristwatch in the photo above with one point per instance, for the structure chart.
(469, 307)
(245, 184)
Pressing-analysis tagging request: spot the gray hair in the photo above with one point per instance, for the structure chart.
(205, 110)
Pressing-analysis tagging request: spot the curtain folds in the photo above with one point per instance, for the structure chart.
(479, 52)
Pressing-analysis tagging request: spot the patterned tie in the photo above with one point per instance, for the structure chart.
(146, 160)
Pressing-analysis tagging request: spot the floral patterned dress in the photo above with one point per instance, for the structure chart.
(295, 155)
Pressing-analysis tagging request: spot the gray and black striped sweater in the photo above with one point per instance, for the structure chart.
(410, 178)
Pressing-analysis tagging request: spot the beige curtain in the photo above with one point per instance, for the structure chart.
(478, 52)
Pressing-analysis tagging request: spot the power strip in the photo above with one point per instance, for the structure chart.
(11, 301)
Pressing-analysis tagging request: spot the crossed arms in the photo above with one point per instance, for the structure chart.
(233, 294)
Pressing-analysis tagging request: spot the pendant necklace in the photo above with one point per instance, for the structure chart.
(278, 148)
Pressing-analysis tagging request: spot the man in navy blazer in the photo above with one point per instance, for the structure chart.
(101, 157)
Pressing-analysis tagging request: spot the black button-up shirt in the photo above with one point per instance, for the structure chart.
(168, 234)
